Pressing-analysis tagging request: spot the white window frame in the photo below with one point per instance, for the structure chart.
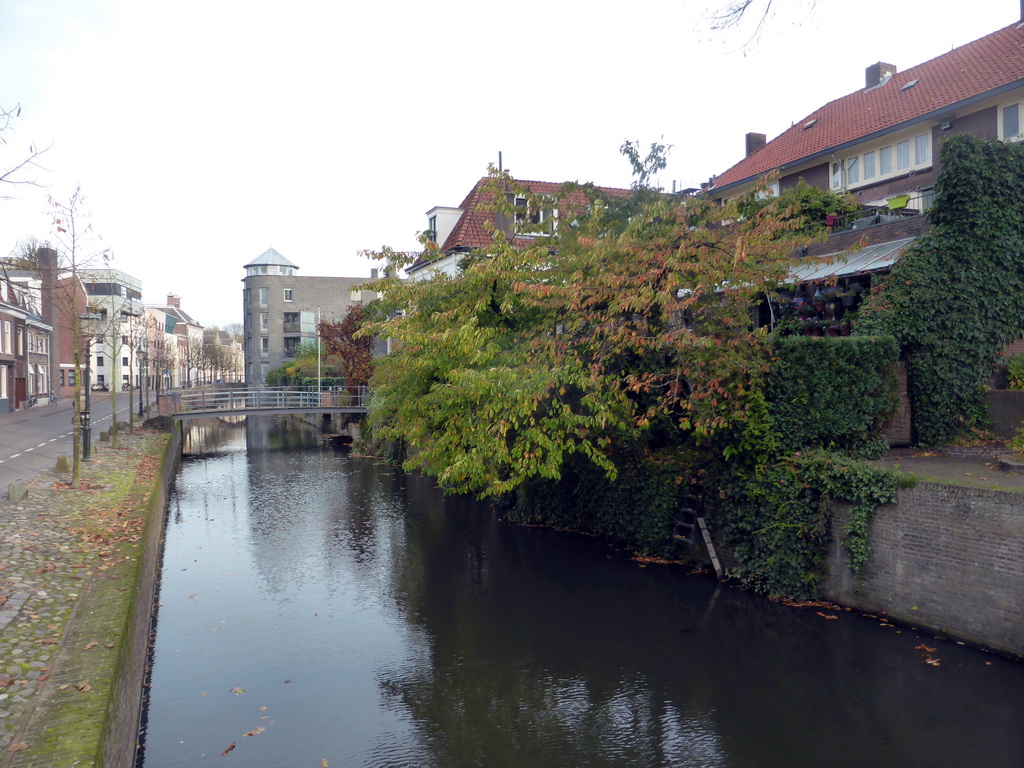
(901, 153)
(1018, 107)
(288, 294)
(264, 297)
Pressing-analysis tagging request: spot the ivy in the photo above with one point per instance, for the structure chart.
(956, 298)
(777, 520)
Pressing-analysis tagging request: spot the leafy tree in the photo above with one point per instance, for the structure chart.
(812, 205)
(343, 340)
(629, 324)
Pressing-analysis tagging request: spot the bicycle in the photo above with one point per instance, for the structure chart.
(31, 403)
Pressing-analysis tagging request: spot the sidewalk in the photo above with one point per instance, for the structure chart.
(68, 569)
(938, 466)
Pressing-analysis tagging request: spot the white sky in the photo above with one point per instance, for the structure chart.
(203, 132)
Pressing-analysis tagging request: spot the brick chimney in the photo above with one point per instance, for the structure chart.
(757, 140)
(878, 73)
(174, 300)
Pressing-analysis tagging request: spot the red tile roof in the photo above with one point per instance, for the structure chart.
(970, 71)
(471, 232)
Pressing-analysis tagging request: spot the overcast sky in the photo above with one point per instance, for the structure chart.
(203, 132)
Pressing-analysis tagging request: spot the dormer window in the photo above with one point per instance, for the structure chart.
(539, 221)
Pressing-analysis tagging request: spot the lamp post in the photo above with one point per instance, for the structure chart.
(142, 373)
(89, 320)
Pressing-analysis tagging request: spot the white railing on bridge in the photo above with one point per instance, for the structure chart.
(263, 398)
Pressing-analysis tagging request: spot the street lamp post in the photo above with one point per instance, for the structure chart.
(89, 320)
(143, 370)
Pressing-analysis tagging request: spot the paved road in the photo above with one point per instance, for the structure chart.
(32, 440)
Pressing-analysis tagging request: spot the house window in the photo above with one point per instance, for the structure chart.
(903, 156)
(124, 361)
(1010, 124)
(7, 337)
(922, 149)
(885, 161)
(432, 229)
(265, 347)
(868, 165)
(62, 378)
(264, 296)
(99, 361)
(3, 382)
(291, 344)
(71, 378)
(852, 171)
(264, 322)
(539, 221)
(21, 342)
(354, 294)
(287, 294)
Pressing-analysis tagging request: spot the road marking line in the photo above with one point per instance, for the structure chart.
(42, 445)
(14, 456)
(27, 450)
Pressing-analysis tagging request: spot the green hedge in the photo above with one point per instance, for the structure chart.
(638, 509)
(831, 392)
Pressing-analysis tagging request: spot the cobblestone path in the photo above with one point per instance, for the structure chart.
(59, 547)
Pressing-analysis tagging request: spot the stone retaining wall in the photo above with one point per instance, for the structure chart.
(122, 728)
(948, 558)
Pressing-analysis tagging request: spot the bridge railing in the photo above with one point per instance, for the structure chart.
(263, 398)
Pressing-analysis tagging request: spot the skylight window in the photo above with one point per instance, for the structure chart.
(911, 84)
(810, 123)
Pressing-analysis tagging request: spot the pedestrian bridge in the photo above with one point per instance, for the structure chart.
(265, 401)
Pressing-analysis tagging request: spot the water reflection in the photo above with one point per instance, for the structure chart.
(381, 624)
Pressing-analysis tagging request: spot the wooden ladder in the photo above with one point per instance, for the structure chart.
(690, 522)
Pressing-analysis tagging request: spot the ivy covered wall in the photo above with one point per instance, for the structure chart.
(956, 298)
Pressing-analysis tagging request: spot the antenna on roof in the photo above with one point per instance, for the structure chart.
(499, 151)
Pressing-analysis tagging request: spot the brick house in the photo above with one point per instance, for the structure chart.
(462, 230)
(24, 345)
(881, 144)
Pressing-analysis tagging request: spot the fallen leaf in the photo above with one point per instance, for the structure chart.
(826, 615)
(84, 686)
(324, 763)
(90, 646)
(237, 690)
(63, 687)
(21, 746)
(923, 647)
(933, 662)
(255, 731)
(230, 747)
(263, 709)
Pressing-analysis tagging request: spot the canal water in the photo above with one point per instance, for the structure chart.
(320, 609)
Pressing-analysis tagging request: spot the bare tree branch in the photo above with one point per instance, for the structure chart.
(10, 175)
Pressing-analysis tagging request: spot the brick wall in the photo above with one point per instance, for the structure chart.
(897, 430)
(121, 732)
(946, 558)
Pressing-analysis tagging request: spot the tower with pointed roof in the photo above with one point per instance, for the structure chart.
(280, 310)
